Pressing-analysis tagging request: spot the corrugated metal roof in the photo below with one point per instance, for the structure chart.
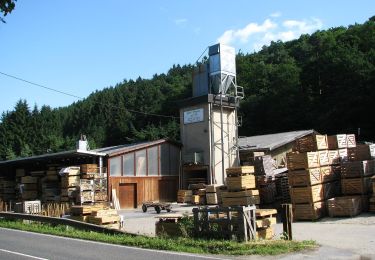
(119, 149)
(106, 151)
(271, 141)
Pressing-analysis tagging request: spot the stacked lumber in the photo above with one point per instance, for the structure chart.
(184, 196)
(29, 188)
(100, 189)
(314, 174)
(51, 188)
(81, 212)
(241, 185)
(265, 218)
(347, 206)
(282, 187)
(267, 189)
(89, 171)
(213, 194)
(70, 182)
(104, 217)
(372, 199)
(311, 143)
(86, 191)
(7, 189)
(356, 172)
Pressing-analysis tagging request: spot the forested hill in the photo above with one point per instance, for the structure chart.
(324, 81)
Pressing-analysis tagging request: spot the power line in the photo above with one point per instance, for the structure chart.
(78, 97)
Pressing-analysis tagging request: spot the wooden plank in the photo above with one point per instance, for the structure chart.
(240, 170)
(265, 212)
(237, 194)
(356, 186)
(240, 201)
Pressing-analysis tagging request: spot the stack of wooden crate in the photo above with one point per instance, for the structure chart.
(184, 196)
(82, 212)
(372, 199)
(347, 206)
(51, 188)
(89, 171)
(356, 171)
(70, 181)
(86, 191)
(29, 188)
(241, 185)
(265, 218)
(313, 177)
(100, 193)
(267, 189)
(7, 189)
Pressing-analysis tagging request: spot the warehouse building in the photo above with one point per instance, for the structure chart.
(135, 172)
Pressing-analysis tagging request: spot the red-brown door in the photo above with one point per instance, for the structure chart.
(128, 195)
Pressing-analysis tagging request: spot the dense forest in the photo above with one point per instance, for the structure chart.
(324, 81)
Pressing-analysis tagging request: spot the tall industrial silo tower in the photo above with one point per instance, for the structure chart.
(209, 123)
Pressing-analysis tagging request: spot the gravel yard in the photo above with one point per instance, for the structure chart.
(343, 238)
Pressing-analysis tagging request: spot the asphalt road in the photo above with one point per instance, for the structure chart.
(26, 245)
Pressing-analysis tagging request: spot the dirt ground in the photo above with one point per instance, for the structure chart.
(339, 238)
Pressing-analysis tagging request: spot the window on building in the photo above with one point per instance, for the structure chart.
(164, 159)
(141, 166)
(115, 166)
(152, 160)
(128, 164)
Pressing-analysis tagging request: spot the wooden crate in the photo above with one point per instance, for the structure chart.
(184, 196)
(241, 182)
(329, 173)
(234, 171)
(240, 201)
(311, 143)
(356, 186)
(372, 204)
(265, 233)
(353, 169)
(297, 161)
(311, 211)
(307, 194)
(301, 178)
(350, 139)
(265, 218)
(89, 168)
(211, 198)
(348, 206)
(337, 141)
(213, 188)
(359, 153)
(333, 157)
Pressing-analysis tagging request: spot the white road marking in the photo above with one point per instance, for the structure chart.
(18, 253)
(122, 246)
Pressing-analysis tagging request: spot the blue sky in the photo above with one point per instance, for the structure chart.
(82, 46)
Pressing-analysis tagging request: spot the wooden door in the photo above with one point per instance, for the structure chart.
(128, 195)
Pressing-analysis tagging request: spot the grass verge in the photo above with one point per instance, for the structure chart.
(259, 247)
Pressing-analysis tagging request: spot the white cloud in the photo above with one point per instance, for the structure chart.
(253, 36)
(180, 21)
(275, 14)
(243, 34)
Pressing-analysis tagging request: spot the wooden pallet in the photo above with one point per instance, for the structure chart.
(241, 182)
(356, 186)
(267, 193)
(297, 161)
(308, 194)
(310, 211)
(348, 206)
